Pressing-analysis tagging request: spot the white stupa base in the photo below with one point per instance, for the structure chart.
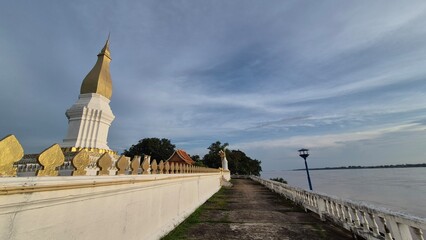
(89, 120)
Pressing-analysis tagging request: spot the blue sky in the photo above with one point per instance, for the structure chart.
(343, 78)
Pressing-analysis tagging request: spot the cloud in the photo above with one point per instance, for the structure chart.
(330, 140)
(256, 75)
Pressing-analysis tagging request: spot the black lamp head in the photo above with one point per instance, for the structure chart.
(304, 153)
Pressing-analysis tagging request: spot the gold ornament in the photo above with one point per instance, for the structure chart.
(50, 159)
(10, 151)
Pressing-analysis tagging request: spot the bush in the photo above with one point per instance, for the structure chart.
(281, 180)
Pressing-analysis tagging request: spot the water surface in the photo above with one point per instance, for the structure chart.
(398, 189)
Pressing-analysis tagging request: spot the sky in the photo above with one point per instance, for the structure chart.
(346, 79)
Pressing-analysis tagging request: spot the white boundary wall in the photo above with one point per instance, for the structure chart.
(114, 207)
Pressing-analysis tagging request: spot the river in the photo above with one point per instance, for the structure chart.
(397, 189)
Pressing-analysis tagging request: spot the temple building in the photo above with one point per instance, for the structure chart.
(90, 117)
(180, 156)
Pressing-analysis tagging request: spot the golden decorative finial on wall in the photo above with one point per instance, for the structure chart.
(50, 159)
(172, 168)
(167, 167)
(161, 167)
(135, 164)
(154, 166)
(122, 164)
(145, 164)
(10, 151)
(104, 163)
(80, 162)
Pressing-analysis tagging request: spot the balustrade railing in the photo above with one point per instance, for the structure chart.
(53, 162)
(363, 220)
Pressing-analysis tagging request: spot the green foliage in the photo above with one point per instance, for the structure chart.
(159, 149)
(281, 180)
(238, 161)
(198, 161)
(212, 158)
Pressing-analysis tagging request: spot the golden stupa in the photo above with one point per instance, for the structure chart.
(98, 80)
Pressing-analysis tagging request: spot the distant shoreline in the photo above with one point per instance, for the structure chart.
(418, 165)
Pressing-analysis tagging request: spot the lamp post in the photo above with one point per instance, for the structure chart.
(304, 153)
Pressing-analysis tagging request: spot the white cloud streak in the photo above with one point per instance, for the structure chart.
(330, 140)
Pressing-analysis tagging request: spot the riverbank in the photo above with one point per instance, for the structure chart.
(418, 165)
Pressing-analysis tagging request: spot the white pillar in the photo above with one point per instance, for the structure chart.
(225, 163)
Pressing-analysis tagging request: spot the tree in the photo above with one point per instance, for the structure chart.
(212, 158)
(159, 149)
(238, 161)
(198, 161)
(281, 180)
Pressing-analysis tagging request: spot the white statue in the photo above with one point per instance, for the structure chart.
(224, 160)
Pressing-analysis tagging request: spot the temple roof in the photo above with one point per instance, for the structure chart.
(182, 155)
(98, 80)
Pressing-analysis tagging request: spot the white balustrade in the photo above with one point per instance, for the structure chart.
(363, 220)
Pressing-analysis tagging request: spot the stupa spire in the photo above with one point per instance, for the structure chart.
(98, 80)
(105, 50)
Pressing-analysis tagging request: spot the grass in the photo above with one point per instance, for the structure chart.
(216, 202)
(181, 229)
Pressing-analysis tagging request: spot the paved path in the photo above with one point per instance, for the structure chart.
(250, 211)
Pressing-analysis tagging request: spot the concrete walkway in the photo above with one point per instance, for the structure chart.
(250, 211)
